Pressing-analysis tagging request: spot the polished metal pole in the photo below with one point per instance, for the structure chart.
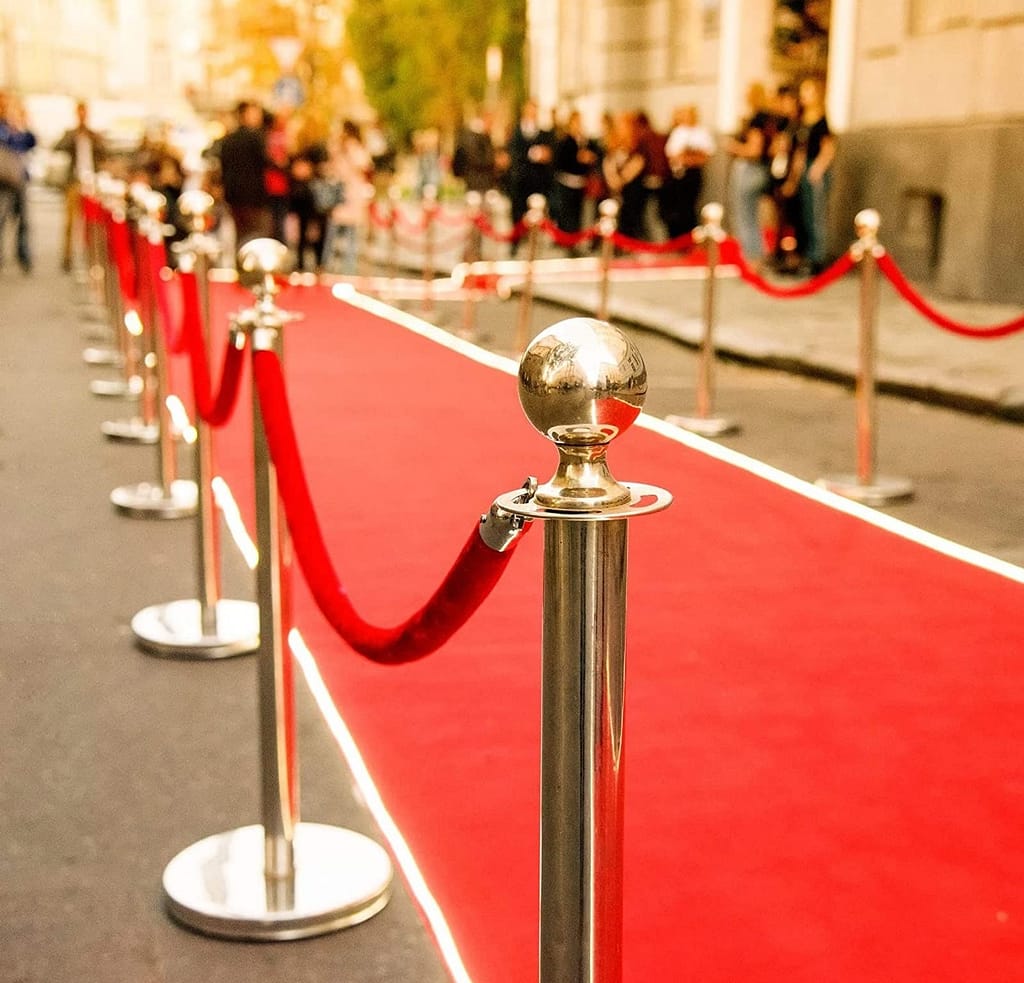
(281, 879)
(583, 752)
(582, 383)
(607, 223)
(472, 253)
(865, 385)
(429, 218)
(704, 421)
(169, 497)
(207, 626)
(536, 206)
(279, 771)
(865, 485)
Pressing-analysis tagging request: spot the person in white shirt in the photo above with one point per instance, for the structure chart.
(688, 148)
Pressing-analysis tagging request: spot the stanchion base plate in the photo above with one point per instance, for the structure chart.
(704, 426)
(881, 491)
(134, 431)
(102, 356)
(116, 388)
(217, 886)
(148, 501)
(175, 630)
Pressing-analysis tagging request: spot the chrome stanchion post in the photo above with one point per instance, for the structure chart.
(394, 198)
(283, 879)
(866, 486)
(582, 383)
(534, 218)
(102, 273)
(607, 223)
(473, 253)
(170, 497)
(208, 626)
(704, 421)
(429, 231)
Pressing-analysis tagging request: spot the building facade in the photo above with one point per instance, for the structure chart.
(926, 97)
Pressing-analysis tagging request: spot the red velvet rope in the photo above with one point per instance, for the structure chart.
(676, 245)
(895, 276)
(120, 245)
(518, 231)
(451, 219)
(567, 240)
(470, 580)
(382, 221)
(838, 269)
(215, 411)
(156, 258)
(402, 221)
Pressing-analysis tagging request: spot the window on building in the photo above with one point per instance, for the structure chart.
(931, 16)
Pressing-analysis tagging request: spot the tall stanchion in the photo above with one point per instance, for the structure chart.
(169, 497)
(394, 201)
(607, 224)
(123, 326)
(141, 427)
(472, 253)
(704, 421)
(283, 879)
(582, 383)
(535, 211)
(101, 277)
(207, 626)
(427, 310)
(866, 486)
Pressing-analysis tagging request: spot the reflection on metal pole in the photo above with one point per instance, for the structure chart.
(582, 383)
(866, 486)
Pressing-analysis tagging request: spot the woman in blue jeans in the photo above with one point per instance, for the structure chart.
(814, 149)
(749, 175)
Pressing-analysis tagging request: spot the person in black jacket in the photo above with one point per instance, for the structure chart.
(530, 152)
(243, 164)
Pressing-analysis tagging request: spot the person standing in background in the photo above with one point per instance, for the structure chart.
(574, 161)
(474, 159)
(530, 154)
(86, 150)
(749, 175)
(243, 164)
(814, 149)
(17, 140)
(689, 147)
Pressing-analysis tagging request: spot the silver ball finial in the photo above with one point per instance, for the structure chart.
(259, 261)
(712, 213)
(866, 223)
(608, 208)
(582, 382)
(195, 205)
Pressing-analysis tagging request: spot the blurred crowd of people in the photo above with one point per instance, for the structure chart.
(308, 183)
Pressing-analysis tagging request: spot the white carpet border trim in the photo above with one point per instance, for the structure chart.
(808, 490)
(364, 782)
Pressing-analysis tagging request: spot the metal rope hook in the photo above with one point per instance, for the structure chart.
(309, 878)
(582, 384)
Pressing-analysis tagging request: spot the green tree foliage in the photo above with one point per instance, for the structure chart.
(423, 61)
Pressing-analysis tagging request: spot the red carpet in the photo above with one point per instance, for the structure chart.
(825, 722)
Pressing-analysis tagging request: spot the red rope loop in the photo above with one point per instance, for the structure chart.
(677, 245)
(214, 410)
(517, 232)
(838, 269)
(120, 246)
(402, 221)
(470, 580)
(567, 240)
(381, 219)
(895, 276)
(156, 256)
(454, 220)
